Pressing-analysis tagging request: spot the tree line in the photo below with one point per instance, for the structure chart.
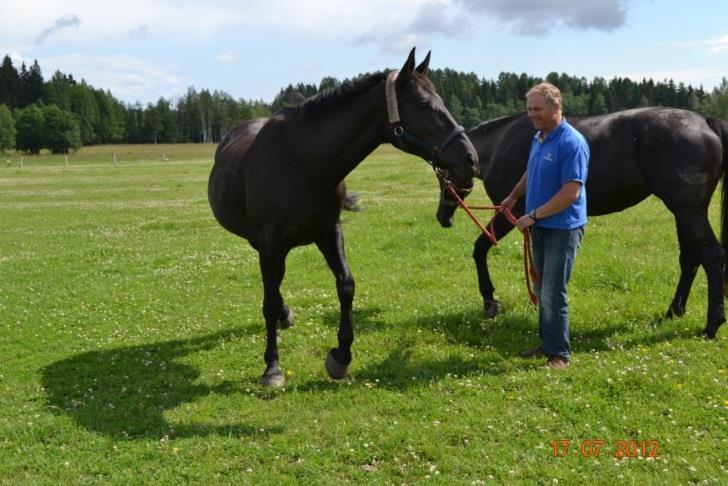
(62, 114)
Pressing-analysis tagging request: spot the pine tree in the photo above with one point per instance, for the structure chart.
(31, 85)
(9, 84)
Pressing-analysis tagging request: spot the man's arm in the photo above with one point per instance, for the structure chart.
(568, 193)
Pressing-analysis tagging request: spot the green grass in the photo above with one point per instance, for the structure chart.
(131, 341)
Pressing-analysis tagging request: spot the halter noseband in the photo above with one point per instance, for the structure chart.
(434, 152)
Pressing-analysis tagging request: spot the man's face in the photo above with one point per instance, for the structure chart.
(542, 114)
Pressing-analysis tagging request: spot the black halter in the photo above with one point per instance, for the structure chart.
(432, 151)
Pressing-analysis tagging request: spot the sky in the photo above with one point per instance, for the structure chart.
(142, 50)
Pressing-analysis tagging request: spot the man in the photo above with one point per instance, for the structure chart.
(555, 213)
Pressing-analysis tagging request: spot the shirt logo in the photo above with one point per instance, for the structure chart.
(549, 156)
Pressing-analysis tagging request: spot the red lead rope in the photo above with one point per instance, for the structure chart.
(489, 232)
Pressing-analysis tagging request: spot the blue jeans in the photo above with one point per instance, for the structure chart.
(554, 252)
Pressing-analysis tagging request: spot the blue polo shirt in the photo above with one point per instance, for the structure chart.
(563, 156)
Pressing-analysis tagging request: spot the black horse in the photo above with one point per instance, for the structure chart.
(676, 155)
(278, 182)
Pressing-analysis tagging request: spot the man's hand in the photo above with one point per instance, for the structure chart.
(524, 222)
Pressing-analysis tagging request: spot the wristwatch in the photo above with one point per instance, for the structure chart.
(532, 215)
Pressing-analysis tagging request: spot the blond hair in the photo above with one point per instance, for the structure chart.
(548, 91)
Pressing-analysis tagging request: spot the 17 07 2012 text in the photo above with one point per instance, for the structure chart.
(596, 447)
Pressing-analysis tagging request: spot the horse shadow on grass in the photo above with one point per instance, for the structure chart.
(511, 332)
(405, 366)
(123, 393)
(493, 344)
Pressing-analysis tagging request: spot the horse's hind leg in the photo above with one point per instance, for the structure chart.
(698, 239)
(331, 245)
(689, 262)
(272, 268)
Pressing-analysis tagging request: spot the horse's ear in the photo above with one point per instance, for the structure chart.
(422, 68)
(409, 66)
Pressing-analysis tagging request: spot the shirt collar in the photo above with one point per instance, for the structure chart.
(559, 128)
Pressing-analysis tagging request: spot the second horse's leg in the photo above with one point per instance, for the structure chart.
(501, 227)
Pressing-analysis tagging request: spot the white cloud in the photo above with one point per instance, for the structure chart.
(717, 45)
(107, 21)
(104, 20)
(140, 32)
(393, 25)
(226, 57)
(714, 46)
(128, 78)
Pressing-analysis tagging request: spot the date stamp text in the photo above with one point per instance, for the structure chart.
(598, 448)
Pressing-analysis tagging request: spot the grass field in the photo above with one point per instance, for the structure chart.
(131, 342)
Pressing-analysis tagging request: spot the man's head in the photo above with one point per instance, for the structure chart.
(543, 103)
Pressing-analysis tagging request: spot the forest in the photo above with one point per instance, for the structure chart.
(61, 113)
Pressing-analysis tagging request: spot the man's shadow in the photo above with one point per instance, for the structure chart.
(123, 393)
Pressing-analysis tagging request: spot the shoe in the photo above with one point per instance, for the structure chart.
(532, 353)
(557, 363)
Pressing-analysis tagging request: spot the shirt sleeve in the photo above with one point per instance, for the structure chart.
(574, 155)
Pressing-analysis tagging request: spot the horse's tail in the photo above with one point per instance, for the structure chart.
(721, 129)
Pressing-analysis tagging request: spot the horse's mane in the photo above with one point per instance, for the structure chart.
(495, 123)
(334, 96)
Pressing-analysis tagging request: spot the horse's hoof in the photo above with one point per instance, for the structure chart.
(672, 313)
(710, 333)
(286, 319)
(273, 379)
(491, 308)
(711, 329)
(335, 370)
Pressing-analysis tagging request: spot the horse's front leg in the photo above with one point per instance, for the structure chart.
(273, 268)
(501, 227)
(331, 245)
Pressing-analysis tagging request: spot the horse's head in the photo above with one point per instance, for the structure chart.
(421, 124)
(447, 205)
